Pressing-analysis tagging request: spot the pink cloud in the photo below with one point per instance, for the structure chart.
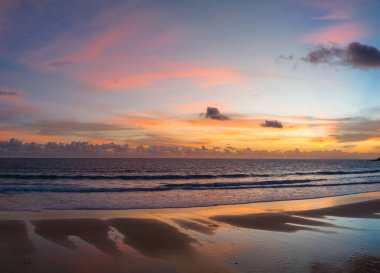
(11, 96)
(338, 34)
(202, 75)
(16, 101)
(336, 15)
(82, 45)
(334, 9)
(6, 6)
(127, 52)
(201, 106)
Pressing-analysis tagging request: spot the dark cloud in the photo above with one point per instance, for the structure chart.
(214, 113)
(15, 147)
(7, 93)
(18, 148)
(355, 55)
(272, 124)
(286, 57)
(60, 63)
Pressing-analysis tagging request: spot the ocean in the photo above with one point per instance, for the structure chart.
(44, 184)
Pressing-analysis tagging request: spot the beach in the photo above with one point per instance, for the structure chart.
(333, 234)
(169, 136)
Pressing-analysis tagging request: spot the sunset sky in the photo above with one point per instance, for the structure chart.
(264, 75)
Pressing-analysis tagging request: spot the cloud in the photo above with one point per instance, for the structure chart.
(338, 34)
(214, 113)
(9, 116)
(335, 15)
(101, 57)
(8, 93)
(70, 127)
(17, 148)
(202, 76)
(357, 129)
(60, 63)
(371, 112)
(285, 57)
(272, 124)
(194, 106)
(334, 9)
(355, 55)
(6, 7)
(354, 137)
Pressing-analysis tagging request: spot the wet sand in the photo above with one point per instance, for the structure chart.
(337, 234)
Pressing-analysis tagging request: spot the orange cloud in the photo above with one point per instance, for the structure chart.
(144, 121)
(338, 34)
(6, 134)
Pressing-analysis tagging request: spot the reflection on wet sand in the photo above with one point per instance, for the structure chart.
(290, 221)
(93, 231)
(272, 222)
(365, 209)
(152, 237)
(157, 239)
(360, 264)
(191, 225)
(210, 224)
(194, 240)
(14, 241)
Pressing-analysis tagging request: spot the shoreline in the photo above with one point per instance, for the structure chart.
(281, 205)
(310, 235)
(200, 206)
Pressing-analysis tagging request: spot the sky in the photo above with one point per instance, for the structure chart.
(289, 78)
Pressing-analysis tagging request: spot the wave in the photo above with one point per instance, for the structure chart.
(338, 172)
(127, 177)
(226, 185)
(305, 183)
(174, 177)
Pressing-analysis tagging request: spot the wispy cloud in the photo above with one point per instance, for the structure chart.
(336, 15)
(126, 53)
(358, 129)
(338, 34)
(8, 93)
(70, 127)
(334, 9)
(201, 76)
(6, 7)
